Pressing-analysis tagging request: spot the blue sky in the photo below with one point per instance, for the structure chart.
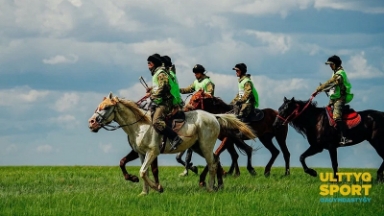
(58, 58)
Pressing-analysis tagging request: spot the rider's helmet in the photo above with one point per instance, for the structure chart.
(167, 61)
(241, 67)
(334, 60)
(155, 59)
(198, 68)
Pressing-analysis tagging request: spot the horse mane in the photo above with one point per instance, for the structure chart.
(143, 117)
(301, 126)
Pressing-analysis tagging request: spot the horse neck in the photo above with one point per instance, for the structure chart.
(218, 107)
(308, 117)
(124, 116)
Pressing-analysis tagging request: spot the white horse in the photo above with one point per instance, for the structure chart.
(201, 128)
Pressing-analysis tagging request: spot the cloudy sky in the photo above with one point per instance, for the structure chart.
(58, 58)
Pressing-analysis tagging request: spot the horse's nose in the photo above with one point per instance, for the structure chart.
(91, 121)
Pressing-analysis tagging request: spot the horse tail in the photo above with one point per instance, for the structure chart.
(231, 122)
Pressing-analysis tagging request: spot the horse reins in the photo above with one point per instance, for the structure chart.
(295, 112)
(114, 127)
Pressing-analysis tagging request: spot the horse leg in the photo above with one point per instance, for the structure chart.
(234, 166)
(281, 136)
(179, 158)
(203, 175)
(150, 156)
(309, 152)
(155, 172)
(377, 145)
(219, 150)
(249, 151)
(266, 139)
(145, 190)
(129, 157)
(188, 159)
(333, 155)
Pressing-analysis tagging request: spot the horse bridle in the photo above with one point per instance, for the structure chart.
(100, 118)
(295, 113)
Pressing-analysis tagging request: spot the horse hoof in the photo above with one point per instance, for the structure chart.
(160, 189)
(287, 172)
(142, 194)
(311, 172)
(183, 174)
(253, 172)
(194, 169)
(202, 184)
(380, 178)
(131, 178)
(267, 174)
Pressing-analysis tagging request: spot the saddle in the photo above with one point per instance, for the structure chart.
(254, 115)
(175, 120)
(350, 116)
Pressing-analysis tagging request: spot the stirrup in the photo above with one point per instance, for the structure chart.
(175, 142)
(344, 141)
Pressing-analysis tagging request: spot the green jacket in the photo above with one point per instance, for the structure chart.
(338, 86)
(204, 83)
(247, 91)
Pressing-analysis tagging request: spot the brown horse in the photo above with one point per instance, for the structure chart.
(263, 128)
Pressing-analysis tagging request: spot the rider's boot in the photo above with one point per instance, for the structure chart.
(175, 140)
(341, 128)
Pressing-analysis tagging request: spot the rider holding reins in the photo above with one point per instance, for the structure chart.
(339, 90)
(202, 82)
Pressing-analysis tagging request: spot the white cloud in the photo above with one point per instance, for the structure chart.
(359, 68)
(264, 7)
(44, 148)
(76, 3)
(277, 43)
(374, 7)
(21, 95)
(60, 59)
(67, 102)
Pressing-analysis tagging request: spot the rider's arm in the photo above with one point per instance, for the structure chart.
(210, 88)
(189, 89)
(335, 80)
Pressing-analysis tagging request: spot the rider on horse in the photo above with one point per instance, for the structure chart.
(247, 98)
(202, 82)
(339, 89)
(171, 69)
(163, 98)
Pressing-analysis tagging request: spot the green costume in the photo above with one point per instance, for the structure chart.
(204, 83)
(247, 97)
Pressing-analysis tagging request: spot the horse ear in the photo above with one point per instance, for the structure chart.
(285, 99)
(110, 96)
(293, 99)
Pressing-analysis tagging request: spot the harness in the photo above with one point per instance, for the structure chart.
(295, 113)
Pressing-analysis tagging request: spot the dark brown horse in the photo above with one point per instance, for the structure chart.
(263, 128)
(313, 123)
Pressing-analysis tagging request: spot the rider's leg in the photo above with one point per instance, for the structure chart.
(159, 124)
(340, 124)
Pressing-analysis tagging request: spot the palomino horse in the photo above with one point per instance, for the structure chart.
(199, 132)
(264, 130)
(313, 123)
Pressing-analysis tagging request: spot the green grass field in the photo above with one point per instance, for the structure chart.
(92, 190)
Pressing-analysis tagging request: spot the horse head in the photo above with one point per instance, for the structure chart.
(287, 112)
(104, 113)
(197, 100)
